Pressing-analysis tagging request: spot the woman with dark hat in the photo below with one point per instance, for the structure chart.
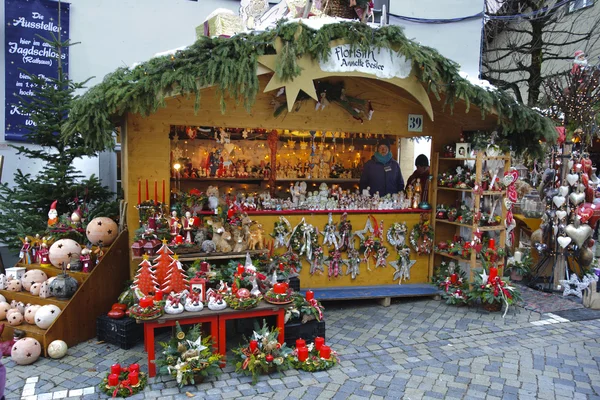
(382, 173)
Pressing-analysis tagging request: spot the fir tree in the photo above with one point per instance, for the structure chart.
(145, 279)
(163, 263)
(24, 206)
(175, 281)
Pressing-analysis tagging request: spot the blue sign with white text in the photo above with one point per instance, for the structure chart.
(25, 51)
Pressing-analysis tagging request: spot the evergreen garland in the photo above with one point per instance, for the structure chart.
(230, 65)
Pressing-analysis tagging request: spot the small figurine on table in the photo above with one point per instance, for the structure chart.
(188, 226)
(44, 255)
(174, 224)
(25, 253)
(53, 214)
(86, 260)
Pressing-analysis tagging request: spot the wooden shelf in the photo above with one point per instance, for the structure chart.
(53, 271)
(211, 256)
(457, 258)
(485, 192)
(241, 180)
(27, 297)
(308, 212)
(481, 228)
(503, 158)
(326, 180)
(244, 180)
(445, 221)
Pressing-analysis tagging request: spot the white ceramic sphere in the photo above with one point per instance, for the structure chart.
(15, 319)
(45, 316)
(26, 351)
(30, 314)
(102, 229)
(62, 251)
(57, 349)
(33, 276)
(4, 308)
(2, 299)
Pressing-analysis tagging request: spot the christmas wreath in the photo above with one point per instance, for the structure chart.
(314, 362)
(396, 235)
(124, 388)
(281, 232)
(242, 303)
(262, 354)
(421, 237)
(145, 313)
(188, 357)
(279, 298)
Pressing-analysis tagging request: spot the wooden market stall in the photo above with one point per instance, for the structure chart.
(146, 147)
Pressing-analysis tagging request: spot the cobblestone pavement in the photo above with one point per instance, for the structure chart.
(414, 349)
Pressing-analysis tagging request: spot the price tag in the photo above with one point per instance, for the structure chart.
(415, 123)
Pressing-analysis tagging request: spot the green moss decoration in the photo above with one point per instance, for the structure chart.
(230, 65)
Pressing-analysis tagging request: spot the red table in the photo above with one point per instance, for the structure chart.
(264, 309)
(185, 318)
(216, 319)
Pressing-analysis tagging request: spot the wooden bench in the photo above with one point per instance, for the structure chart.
(382, 292)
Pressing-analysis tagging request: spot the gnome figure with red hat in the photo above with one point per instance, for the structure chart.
(579, 62)
(53, 214)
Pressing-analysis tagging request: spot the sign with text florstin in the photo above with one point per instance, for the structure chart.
(24, 51)
(383, 63)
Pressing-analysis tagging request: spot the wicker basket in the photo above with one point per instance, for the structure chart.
(340, 8)
(492, 307)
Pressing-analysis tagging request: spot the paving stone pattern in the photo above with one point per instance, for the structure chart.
(414, 349)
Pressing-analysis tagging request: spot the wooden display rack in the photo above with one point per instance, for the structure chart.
(97, 291)
(444, 229)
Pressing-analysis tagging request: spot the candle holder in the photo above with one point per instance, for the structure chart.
(121, 385)
(309, 358)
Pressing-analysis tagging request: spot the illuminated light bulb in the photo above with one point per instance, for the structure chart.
(177, 166)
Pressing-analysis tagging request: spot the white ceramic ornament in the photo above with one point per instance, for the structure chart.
(26, 351)
(3, 281)
(102, 229)
(579, 234)
(14, 285)
(570, 164)
(33, 276)
(11, 312)
(192, 306)
(62, 251)
(18, 305)
(35, 289)
(559, 200)
(2, 298)
(563, 190)
(564, 241)
(561, 214)
(45, 290)
(572, 179)
(57, 349)
(173, 307)
(4, 308)
(216, 305)
(46, 315)
(577, 198)
(30, 314)
(15, 319)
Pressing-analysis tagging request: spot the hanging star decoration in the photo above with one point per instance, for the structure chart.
(177, 153)
(367, 229)
(402, 266)
(484, 276)
(574, 286)
(303, 145)
(352, 263)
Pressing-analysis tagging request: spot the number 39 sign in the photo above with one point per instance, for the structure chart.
(415, 123)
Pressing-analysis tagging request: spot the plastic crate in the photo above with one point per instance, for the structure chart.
(308, 331)
(124, 333)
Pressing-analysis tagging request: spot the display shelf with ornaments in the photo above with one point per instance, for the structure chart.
(494, 172)
(193, 256)
(53, 271)
(97, 291)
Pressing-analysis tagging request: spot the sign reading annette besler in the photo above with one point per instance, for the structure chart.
(24, 50)
(383, 63)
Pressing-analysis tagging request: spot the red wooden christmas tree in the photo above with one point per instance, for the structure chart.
(175, 280)
(163, 263)
(145, 280)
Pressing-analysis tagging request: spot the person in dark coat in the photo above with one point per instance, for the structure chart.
(421, 173)
(382, 173)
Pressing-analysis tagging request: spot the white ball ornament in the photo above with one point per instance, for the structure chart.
(46, 315)
(26, 351)
(30, 314)
(102, 229)
(4, 308)
(57, 349)
(62, 251)
(33, 276)
(15, 319)
(2, 299)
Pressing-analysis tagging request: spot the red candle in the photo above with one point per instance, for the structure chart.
(163, 198)
(302, 354)
(145, 302)
(178, 239)
(319, 342)
(253, 345)
(113, 379)
(325, 352)
(454, 278)
(300, 343)
(204, 266)
(240, 269)
(492, 244)
(310, 295)
(139, 191)
(134, 368)
(155, 192)
(158, 296)
(147, 195)
(281, 266)
(115, 369)
(134, 378)
(493, 274)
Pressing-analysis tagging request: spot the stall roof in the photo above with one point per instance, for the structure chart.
(231, 65)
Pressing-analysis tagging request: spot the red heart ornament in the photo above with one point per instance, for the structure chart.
(585, 212)
(511, 193)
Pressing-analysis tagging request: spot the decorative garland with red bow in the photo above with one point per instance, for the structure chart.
(333, 262)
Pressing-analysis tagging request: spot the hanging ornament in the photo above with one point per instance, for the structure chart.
(245, 134)
(381, 255)
(316, 264)
(421, 236)
(330, 235)
(396, 235)
(281, 232)
(291, 144)
(304, 239)
(367, 248)
(402, 265)
(345, 234)
(352, 263)
(367, 229)
(312, 143)
(334, 261)
(303, 145)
